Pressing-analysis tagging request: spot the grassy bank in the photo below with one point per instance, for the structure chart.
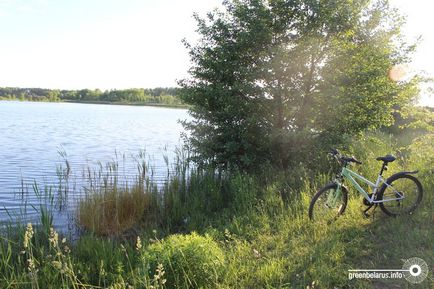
(212, 229)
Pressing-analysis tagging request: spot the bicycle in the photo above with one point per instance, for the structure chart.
(396, 192)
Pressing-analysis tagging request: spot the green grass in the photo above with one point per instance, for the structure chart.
(255, 225)
(282, 248)
(272, 245)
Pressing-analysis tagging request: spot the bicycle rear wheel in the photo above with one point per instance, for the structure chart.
(402, 195)
(328, 203)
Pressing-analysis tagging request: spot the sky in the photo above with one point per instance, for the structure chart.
(117, 44)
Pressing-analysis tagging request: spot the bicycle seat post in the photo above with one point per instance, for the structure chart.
(383, 168)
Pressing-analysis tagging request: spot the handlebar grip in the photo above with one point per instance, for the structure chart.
(334, 151)
(355, 161)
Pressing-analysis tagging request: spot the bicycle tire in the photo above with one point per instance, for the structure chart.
(411, 185)
(321, 195)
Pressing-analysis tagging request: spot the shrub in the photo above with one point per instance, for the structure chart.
(191, 261)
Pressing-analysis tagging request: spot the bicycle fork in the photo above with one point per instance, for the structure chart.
(334, 196)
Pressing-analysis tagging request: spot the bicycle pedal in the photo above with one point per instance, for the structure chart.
(365, 212)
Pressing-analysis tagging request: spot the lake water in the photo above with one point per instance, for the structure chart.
(32, 134)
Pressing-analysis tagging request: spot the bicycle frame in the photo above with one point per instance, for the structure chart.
(351, 176)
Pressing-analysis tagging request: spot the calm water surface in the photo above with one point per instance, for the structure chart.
(32, 134)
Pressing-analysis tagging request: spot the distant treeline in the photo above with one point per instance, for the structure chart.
(159, 95)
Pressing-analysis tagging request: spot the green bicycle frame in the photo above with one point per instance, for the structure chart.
(351, 176)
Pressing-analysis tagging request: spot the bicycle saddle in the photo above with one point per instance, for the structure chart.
(386, 159)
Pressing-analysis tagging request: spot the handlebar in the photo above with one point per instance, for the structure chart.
(343, 160)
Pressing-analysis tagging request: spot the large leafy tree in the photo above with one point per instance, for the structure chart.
(270, 79)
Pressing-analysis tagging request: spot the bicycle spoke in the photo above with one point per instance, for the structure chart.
(401, 197)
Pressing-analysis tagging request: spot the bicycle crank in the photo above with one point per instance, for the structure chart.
(366, 202)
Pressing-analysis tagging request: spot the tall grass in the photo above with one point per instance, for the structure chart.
(112, 211)
(257, 226)
(111, 206)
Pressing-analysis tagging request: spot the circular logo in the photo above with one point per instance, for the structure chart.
(416, 270)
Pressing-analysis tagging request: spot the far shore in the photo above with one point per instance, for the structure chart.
(155, 104)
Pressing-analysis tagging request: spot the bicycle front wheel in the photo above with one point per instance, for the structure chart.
(401, 195)
(328, 203)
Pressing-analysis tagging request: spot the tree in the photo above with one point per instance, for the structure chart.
(53, 95)
(272, 77)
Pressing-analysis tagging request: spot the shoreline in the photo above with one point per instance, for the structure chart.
(181, 106)
(154, 104)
